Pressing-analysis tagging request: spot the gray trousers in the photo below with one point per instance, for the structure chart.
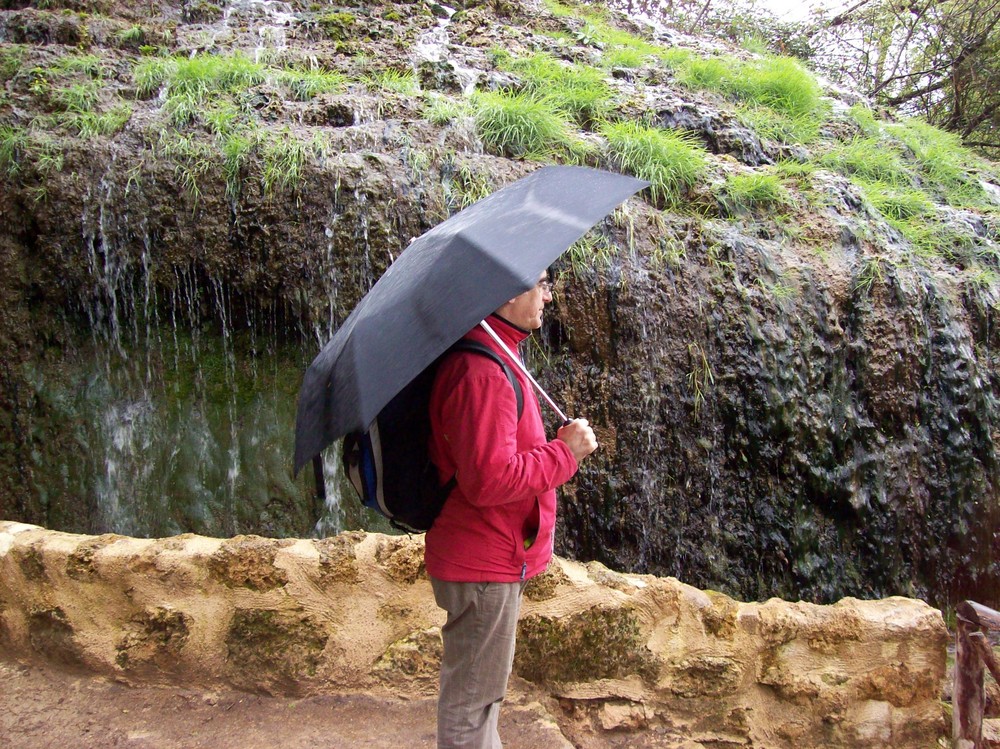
(478, 641)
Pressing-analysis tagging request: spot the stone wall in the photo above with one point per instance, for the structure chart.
(613, 654)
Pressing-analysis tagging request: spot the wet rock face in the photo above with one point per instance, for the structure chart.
(780, 428)
(721, 133)
(620, 659)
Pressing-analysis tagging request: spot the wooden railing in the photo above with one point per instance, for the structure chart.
(973, 655)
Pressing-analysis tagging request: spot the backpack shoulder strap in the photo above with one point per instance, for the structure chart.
(481, 348)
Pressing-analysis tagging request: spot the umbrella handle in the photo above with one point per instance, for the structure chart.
(520, 365)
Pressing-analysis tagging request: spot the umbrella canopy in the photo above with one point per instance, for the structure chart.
(444, 283)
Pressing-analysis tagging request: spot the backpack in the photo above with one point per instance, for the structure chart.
(389, 465)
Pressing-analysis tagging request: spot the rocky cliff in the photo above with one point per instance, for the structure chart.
(617, 659)
(787, 346)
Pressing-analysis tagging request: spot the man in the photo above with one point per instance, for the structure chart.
(496, 529)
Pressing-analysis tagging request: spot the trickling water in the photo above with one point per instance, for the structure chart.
(268, 19)
(433, 46)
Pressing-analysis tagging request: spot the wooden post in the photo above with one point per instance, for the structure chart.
(968, 699)
(973, 655)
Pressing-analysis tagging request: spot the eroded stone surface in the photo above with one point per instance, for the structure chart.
(626, 660)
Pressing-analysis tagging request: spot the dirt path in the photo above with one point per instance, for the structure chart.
(42, 706)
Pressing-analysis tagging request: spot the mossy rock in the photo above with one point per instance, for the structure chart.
(602, 643)
(416, 656)
(543, 587)
(336, 26)
(80, 564)
(274, 651)
(30, 562)
(156, 636)
(200, 11)
(338, 562)
(720, 618)
(52, 636)
(248, 562)
(402, 560)
(706, 676)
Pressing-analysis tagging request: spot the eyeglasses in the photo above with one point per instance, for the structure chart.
(546, 286)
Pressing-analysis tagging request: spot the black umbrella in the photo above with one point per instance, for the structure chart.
(444, 283)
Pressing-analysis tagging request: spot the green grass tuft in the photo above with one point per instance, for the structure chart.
(522, 125)
(205, 74)
(943, 162)
(440, 110)
(713, 73)
(672, 162)
(89, 65)
(11, 60)
(864, 118)
(624, 57)
(284, 159)
(779, 127)
(91, 124)
(578, 90)
(869, 159)
(392, 81)
(897, 204)
(306, 84)
(14, 144)
(237, 148)
(132, 36)
(151, 74)
(197, 79)
(778, 83)
(743, 193)
(78, 97)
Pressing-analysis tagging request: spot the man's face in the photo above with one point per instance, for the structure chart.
(526, 310)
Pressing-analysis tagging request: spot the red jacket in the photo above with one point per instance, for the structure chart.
(506, 470)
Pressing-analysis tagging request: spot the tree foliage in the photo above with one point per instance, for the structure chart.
(936, 59)
(743, 22)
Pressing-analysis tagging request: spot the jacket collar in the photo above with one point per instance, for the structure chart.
(510, 333)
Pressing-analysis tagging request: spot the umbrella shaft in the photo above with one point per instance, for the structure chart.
(520, 365)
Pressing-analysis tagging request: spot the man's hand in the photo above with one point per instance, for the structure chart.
(579, 438)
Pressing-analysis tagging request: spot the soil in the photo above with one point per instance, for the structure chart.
(45, 706)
